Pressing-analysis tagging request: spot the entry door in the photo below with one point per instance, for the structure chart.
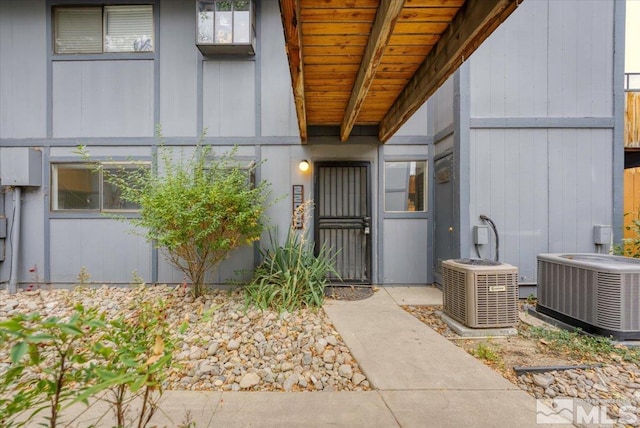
(343, 219)
(443, 236)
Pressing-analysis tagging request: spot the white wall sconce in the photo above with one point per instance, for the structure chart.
(304, 165)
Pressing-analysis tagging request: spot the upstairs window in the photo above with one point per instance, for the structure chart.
(100, 29)
(226, 26)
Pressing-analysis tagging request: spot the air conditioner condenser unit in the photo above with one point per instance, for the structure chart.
(480, 293)
(598, 293)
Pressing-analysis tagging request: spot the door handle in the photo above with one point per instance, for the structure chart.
(450, 228)
(366, 224)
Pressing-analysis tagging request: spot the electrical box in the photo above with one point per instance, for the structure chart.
(21, 166)
(601, 234)
(481, 235)
(3, 227)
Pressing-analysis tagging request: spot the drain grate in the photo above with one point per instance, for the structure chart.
(348, 292)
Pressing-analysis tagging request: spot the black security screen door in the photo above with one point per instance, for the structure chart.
(343, 219)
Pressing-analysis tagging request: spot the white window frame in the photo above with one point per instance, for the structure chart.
(103, 30)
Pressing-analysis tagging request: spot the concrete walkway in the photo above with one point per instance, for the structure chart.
(420, 380)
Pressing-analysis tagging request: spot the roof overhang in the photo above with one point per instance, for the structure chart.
(375, 62)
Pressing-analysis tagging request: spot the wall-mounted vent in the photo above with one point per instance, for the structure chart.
(480, 293)
(598, 293)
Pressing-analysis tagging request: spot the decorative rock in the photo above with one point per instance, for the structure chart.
(345, 371)
(226, 351)
(259, 337)
(289, 382)
(286, 366)
(11, 304)
(213, 348)
(329, 356)
(542, 380)
(357, 378)
(320, 345)
(331, 340)
(249, 380)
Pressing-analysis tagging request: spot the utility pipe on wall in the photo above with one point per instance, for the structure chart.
(15, 240)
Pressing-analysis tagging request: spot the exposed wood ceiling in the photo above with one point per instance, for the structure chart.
(375, 62)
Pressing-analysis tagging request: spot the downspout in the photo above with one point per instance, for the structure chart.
(15, 240)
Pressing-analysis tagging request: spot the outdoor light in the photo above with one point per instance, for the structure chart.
(304, 165)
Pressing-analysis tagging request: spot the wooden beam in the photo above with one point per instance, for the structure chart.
(473, 23)
(292, 25)
(383, 25)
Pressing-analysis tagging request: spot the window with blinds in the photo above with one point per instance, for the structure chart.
(98, 29)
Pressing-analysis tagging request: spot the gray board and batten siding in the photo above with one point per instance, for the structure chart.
(545, 133)
(113, 103)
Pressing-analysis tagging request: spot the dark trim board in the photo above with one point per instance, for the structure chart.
(541, 122)
(589, 328)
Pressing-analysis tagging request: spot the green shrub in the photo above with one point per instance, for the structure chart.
(290, 276)
(56, 362)
(197, 210)
(49, 363)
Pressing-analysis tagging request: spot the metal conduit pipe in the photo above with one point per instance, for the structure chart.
(495, 232)
(15, 240)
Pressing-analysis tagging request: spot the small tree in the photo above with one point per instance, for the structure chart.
(196, 209)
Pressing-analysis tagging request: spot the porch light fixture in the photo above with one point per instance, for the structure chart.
(304, 165)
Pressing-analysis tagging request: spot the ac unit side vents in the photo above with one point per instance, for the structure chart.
(596, 292)
(480, 296)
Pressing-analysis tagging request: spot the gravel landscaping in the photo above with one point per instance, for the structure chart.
(608, 380)
(225, 347)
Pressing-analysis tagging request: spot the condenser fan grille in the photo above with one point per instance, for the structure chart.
(454, 298)
(496, 306)
(479, 295)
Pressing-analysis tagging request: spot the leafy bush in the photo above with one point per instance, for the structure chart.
(290, 275)
(197, 209)
(56, 362)
(630, 247)
(48, 363)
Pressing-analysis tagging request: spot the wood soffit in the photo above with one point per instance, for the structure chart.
(375, 62)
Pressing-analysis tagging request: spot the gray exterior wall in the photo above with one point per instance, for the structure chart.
(541, 142)
(113, 103)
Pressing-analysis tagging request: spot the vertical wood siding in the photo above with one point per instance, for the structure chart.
(442, 106)
(229, 100)
(23, 69)
(278, 109)
(631, 199)
(405, 258)
(549, 59)
(509, 183)
(178, 69)
(632, 120)
(103, 99)
(105, 247)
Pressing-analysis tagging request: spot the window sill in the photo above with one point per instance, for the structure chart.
(148, 56)
(407, 214)
(91, 215)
